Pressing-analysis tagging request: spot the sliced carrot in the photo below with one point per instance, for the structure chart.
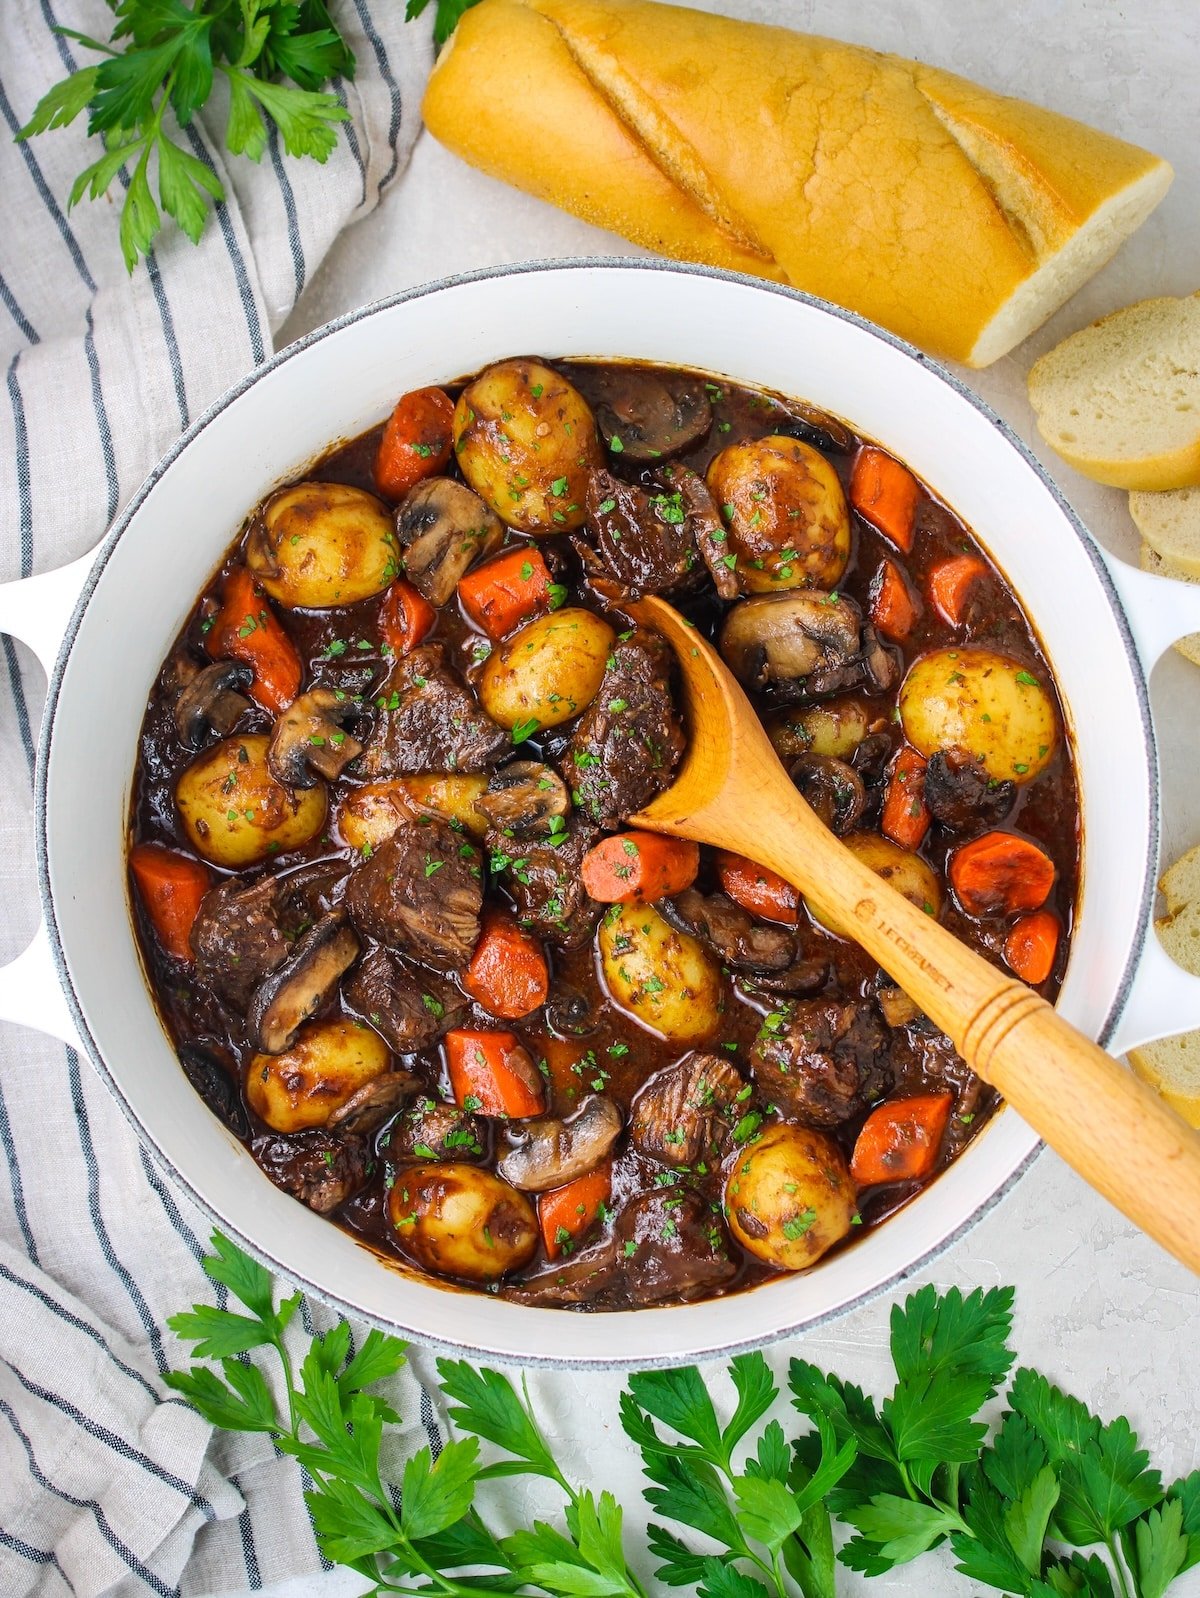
(639, 866)
(493, 1072)
(894, 606)
(763, 893)
(567, 1213)
(905, 815)
(885, 493)
(508, 974)
(1031, 946)
(1001, 874)
(246, 628)
(899, 1141)
(416, 441)
(171, 887)
(950, 585)
(506, 590)
(406, 617)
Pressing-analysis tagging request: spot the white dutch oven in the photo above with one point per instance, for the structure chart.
(1103, 626)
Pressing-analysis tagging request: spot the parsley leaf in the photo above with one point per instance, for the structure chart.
(445, 21)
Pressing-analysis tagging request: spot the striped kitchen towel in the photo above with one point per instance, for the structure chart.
(109, 1484)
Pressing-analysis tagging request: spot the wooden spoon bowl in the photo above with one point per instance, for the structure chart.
(731, 791)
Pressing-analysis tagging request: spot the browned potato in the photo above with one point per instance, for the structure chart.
(905, 871)
(322, 544)
(370, 814)
(526, 441)
(985, 703)
(547, 672)
(459, 1220)
(835, 728)
(325, 1066)
(235, 813)
(785, 514)
(789, 1197)
(665, 978)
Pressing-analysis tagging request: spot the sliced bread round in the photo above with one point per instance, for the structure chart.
(1162, 566)
(1172, 1065)
(1120, 400)
(1170, 524)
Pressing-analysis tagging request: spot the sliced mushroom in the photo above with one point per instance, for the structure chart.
(816, 427)
(303, 983)
(214, 1076)
(743, 943)
(568, 1013)
(805, 976)
(374, 1103)
(834, 791)
(309, 740)
(803, 645)
(554, 1152)
(871, 757)
(707, 530)
(443, 529)
(209, 699)
(652, 414)
(881, 665)
(524, 799)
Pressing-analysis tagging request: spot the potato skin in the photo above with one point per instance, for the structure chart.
(664, 978)
(235, 813)
(526, 441)
(789, 1196)
(328, 1062)
(369, 815)
(905, 871)
(458, 1220)
(985, 703)
(321, 545)
(549, 671)
(835, 728)
(778, 497)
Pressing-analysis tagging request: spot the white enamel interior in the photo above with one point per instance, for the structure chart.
(343, 382)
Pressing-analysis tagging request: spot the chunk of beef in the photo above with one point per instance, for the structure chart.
(420, 894)
(823, 1060)
(679, 1248)
(430, 1130)
(318, 1168)
(629, 740)
(683, 1109)
(742, 943)
(410, 1009)
(550, 898)
(429, 720)
(960, 794)
(645, 539)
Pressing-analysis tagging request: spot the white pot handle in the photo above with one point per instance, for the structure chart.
(36, 610)
(1163, 998)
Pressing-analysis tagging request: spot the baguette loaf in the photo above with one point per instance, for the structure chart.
(954, 216)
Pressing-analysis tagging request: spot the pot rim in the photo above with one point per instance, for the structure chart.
(329, 1297)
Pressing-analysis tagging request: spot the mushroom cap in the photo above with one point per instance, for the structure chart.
(523, 798)
(296, 990)
(210, 699)
(554, 1152)
(443, 527)
(308, 742)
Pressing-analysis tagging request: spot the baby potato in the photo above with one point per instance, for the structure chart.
(663, 978)
(985, 703)
(325, 1066)
(370, 814)
(905, 871)
(834, 729)
(785, 514)
(547, 672)
(526, 441)
(459, 1220)
(235, 813)
(789, 1196)
(322, 544)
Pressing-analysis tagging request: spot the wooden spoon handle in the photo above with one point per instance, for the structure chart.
(1110, 1127)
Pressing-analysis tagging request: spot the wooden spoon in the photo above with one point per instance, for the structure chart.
(732, 791)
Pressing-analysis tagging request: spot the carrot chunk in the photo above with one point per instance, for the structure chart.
(567, 1213)
(894, 606)
(246, 628)
(1001, 874)
(885, 494)
(763, 893)
(508, 974)
(950, 585)
(416, 442)
(639, 867)
(171, 887)
(906, 817)
(406, 617)
(1031, 946)
(493, 1072)
(503, 592)
(899, 1141)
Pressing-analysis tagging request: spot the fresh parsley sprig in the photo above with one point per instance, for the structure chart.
(166, 55)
